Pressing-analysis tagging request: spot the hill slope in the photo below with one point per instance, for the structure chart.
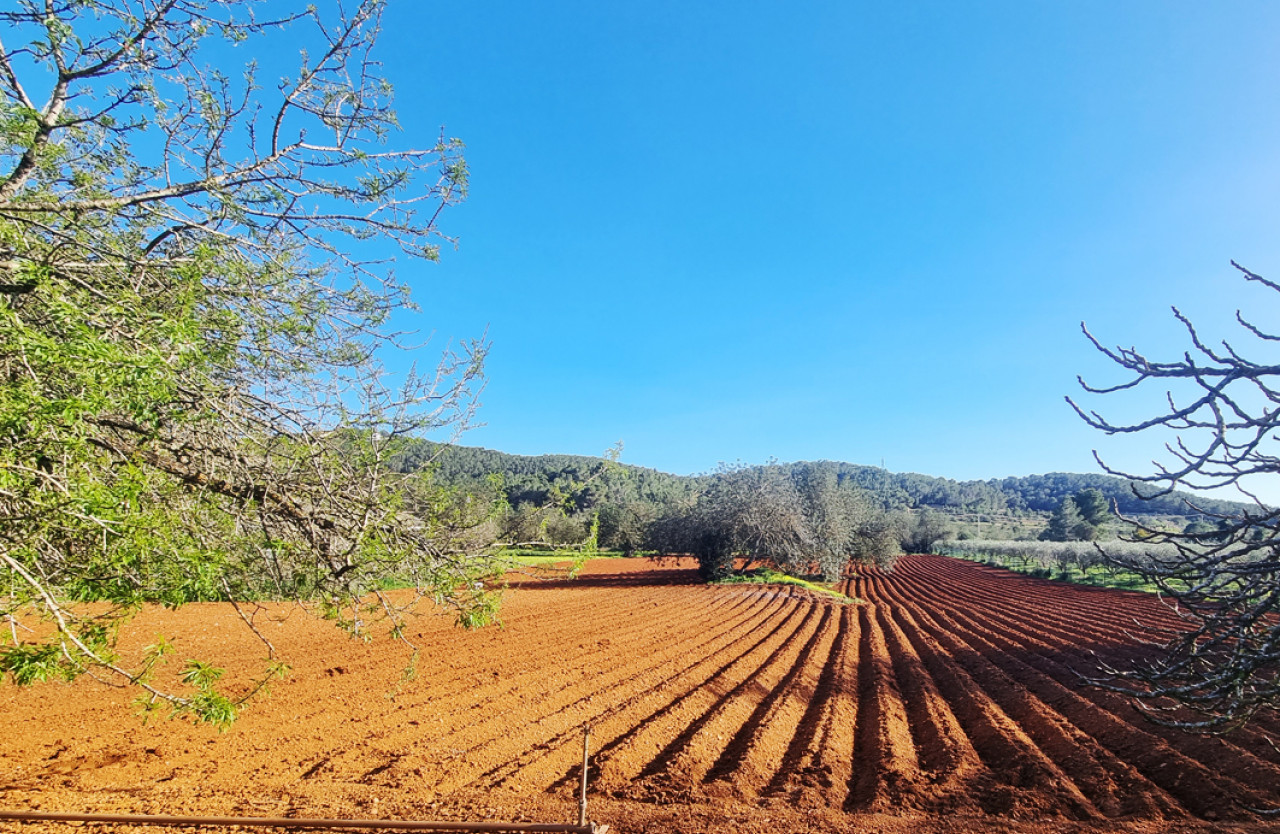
(591, 480)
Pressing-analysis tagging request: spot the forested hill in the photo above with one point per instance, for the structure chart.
(1045, 493)
(535, 478)
(538, 478)
(1042, 493)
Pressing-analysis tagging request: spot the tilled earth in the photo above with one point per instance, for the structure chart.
(950, 700)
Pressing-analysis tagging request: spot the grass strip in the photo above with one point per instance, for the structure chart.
(768, 576)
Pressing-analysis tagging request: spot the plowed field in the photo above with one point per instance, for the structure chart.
(950, 700)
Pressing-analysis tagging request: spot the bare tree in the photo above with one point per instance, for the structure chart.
(1220, 669)
(195, 289)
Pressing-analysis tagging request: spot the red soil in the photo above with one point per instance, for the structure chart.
(949, 701)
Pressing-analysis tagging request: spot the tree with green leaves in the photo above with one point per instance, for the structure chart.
(194, 296)
(1094, 509)
(798, 519)
(1067, 524)
(923, 529)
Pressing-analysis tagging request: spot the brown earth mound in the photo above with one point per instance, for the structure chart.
(949, 701)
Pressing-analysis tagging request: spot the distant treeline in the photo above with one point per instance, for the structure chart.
(578, 481)
(581, 483)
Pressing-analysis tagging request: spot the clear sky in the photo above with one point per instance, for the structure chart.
(868, 232)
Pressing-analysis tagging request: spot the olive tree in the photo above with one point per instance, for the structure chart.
(195, 291)
(799, 521)
(924, 529)
(1221, 406)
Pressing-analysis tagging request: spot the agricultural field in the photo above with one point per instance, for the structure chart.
(948, 700)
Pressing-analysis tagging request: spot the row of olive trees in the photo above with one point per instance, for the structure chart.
(1063, 556)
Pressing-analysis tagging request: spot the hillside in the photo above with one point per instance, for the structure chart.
(587, 481)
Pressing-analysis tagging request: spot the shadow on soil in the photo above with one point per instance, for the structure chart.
(658, 577)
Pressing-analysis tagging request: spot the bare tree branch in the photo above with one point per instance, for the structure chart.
(1223, 666)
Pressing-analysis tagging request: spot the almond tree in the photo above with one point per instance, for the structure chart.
(194, 293)
(1222, 408)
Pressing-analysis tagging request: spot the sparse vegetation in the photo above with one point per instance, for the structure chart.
(766, 576)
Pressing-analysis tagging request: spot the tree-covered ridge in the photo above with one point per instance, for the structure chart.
(538, 478)
(580, 481)
(1044, 493)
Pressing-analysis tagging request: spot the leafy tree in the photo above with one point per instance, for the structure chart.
(756, 512)
(924, 529)
(1093, 508)
(795, 519)
(1223, 666)
(623, 526)
(191, 309)
(1043, 493)
(1067, 524)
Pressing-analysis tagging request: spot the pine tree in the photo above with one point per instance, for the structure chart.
(1093, 506)
(1067, 523)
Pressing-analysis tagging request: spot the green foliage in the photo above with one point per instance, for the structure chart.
(200, 675)
(796, 519)
(556, 499)
(36, 663)
(191, 406)
(1081, 517)
(627, 500)
(1094, 507)
(923, 530)
(1067, 524)
(1045, 493)
(482, 611)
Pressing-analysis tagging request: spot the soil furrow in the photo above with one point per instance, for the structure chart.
(947, 758)
(614, 730)
(541, 694)
(683, 763)
(1018, 777)
(951, 700)
(1112, 787)
(482, 722)
(1259, 779)
(625, 695)
(495, 741)
(814, 771)
(1196, 788)
(885, 769)
(626, 755)
(757, 749)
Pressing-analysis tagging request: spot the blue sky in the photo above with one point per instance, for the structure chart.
(865, 232)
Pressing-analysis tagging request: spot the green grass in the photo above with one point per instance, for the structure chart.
(767, 576)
